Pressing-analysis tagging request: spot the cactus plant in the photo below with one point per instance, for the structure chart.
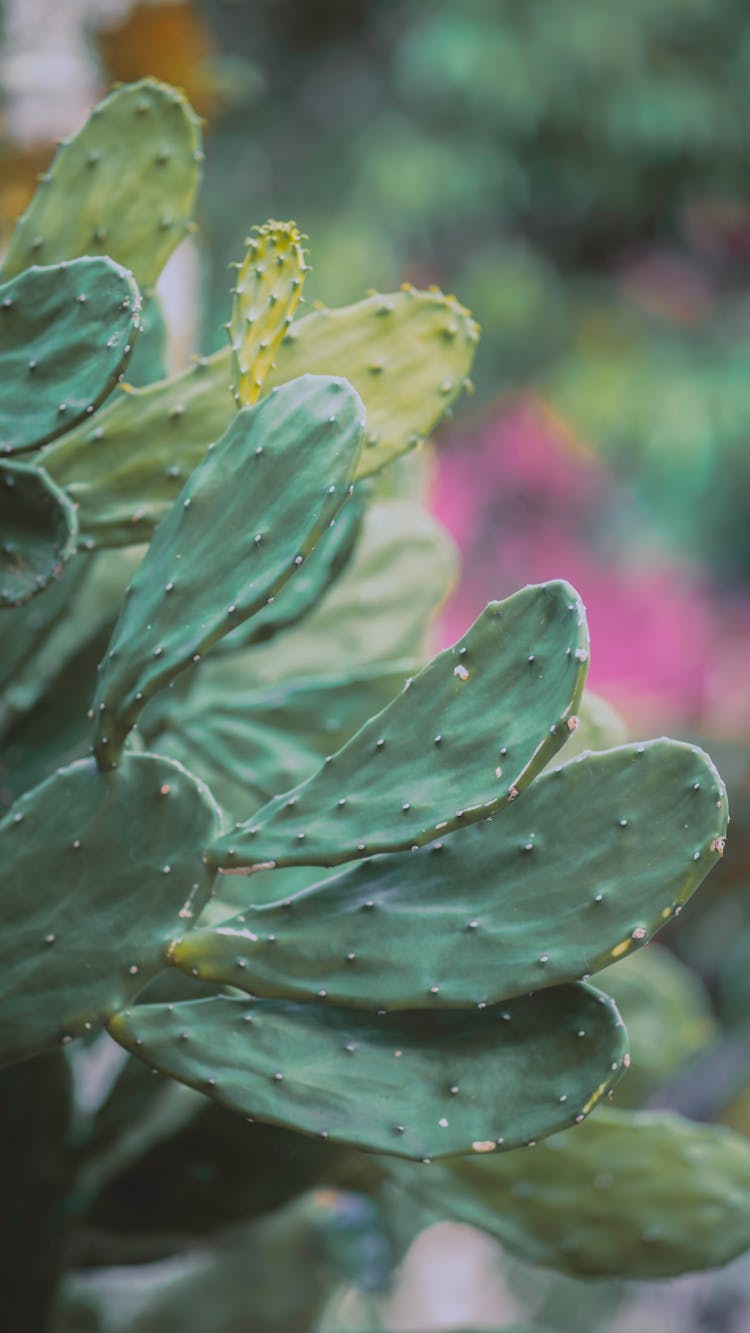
(429, 999)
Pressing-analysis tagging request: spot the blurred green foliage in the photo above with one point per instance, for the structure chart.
(578, 173)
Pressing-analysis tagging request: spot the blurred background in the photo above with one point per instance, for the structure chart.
(577, 173)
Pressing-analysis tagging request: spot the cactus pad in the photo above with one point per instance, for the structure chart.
(66, 332)
(630, 1194)
(413, 1085)
(301, 595)
(585, 867)
(125, 468)
(407, 353)
(249, 514)
(124, 186)
(266, 295)
(249, 745)
(98, 872)
(38, 532)
(469, 731)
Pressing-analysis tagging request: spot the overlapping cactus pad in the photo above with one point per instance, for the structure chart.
(66, 333)
(464, 737)
(415, 1085)
(98, 872)
(193, 587)
(38, 532)
(587, 866)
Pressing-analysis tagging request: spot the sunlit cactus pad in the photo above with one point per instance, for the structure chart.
(124, 186)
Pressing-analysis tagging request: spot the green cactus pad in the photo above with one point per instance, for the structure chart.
(413, 1085)
(379, 611)
(585, 867)
(266, 295)
(249, 745)
(407, 353)
(66, 332)
(98, 873)
(125, 468)
(470, 731)
(240, 528)
(124, 186)
(38, 532)
(630, 1194)
(301, 595)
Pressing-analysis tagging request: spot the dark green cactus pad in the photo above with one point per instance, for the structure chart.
(38, 532)
(250, 513)
(125, 468)
(411, 1084)
(461, 741)
(99, 870)
(124, 186)
(630, 1194)
(407, 353)
(249, 745)
(66, 333)
(586, 866)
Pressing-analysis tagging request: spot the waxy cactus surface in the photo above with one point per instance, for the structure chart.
(427, 999)
(66, 334)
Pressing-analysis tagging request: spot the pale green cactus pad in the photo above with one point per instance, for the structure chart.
(407, 353)
(236, 534)
(631, 1194)
(461, 741)
(584, 867)
(38, 532)
(100, 870)
(414, 1085)
(266, 295)
(66, 333)
(124, 186)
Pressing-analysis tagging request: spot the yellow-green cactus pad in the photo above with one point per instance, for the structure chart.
(266, 295)
(124, 186)
(407, 353)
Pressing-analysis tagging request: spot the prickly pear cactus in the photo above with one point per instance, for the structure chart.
(318, 881)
